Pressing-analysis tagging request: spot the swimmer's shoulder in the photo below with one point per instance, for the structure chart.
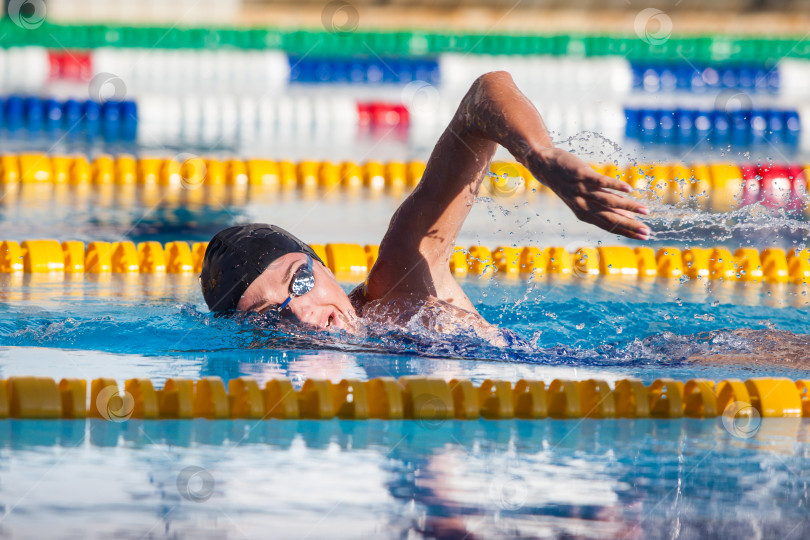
(434, 312)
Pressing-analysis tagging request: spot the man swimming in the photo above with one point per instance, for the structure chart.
(262, 268)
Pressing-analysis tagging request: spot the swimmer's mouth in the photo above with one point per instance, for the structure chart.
(333, 321)
(337, 321)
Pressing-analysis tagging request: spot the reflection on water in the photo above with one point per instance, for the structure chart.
(451, 479)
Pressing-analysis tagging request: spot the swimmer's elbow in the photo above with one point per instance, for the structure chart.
(494, 78)
(487, 83)
(483, 92)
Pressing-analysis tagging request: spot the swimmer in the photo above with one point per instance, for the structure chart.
(263, 268)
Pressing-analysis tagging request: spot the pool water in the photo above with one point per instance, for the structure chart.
(681, 478)
(457, 479)
(580, 478)
(638, 328)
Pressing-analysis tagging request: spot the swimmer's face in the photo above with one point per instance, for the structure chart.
(325, 306)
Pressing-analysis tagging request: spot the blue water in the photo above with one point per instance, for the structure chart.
(576, 479)
(310, 479)
(644, 329)
(580, 478)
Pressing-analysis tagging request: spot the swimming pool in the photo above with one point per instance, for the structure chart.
(130, 135)
(643, 478)
(584, 477)
(590, 478)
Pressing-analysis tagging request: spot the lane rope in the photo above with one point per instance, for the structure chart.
(718, 186)
(772, 265)
(409, 397)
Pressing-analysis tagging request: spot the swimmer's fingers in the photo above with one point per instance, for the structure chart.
(608, 182)
(588, 193)
(616, 221)
(625, 213)
(611, 200)
(596, 180)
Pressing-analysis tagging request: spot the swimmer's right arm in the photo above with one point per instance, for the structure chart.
(503, 114)
(415, 252)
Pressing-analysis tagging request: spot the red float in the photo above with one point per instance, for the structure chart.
(775, 186)
(70, 65)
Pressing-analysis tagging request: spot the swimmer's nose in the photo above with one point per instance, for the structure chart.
(309, 316)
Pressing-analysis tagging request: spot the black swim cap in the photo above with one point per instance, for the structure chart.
(238, 255)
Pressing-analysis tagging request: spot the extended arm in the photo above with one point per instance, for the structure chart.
(415, 252)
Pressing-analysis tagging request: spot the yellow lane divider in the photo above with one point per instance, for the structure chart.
(717, 185)
(189, 171)
(773, 265)
(410, 397)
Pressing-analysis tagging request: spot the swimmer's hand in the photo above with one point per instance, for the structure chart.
(587, 193)
(496, 110)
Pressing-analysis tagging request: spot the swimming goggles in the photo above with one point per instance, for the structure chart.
(303, 280)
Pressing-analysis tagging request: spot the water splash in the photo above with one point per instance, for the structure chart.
(751, 224)
(688, 220)
(581, 334)
(419, 337)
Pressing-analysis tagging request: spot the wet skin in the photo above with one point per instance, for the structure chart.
(325, 306)
(413, 261)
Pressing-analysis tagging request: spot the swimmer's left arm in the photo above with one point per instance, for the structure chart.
(415, 252)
